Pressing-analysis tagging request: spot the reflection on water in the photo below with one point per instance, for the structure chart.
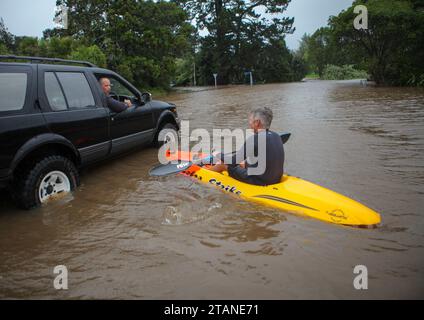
(124, 234)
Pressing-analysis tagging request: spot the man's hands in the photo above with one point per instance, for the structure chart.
(219, 167)
(243, 164)
(128, 103)
(215, 154)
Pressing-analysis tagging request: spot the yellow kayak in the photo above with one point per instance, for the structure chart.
(294, 195)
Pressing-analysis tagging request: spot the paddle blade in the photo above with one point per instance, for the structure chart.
(285, 137)
(168, 169)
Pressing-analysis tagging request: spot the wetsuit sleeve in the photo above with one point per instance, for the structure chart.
(115, 106)
(240, 155)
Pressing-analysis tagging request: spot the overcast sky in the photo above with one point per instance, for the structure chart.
(30, 18)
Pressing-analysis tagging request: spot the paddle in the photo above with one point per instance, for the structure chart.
(173, 168)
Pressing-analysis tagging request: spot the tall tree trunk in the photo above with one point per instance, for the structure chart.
(220, 43)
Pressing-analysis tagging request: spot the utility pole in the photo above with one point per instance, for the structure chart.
(194, 72)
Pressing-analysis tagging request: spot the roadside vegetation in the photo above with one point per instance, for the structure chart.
(154, 44)
(345, 72)
(160, 44)
(390, 51)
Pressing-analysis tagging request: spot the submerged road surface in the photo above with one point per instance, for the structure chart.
(123, 234)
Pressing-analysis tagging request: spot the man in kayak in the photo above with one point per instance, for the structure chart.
(260, 122)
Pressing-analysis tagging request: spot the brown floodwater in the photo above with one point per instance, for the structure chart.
(125, 235)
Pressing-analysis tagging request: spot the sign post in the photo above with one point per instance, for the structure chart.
(215, 75)
(250, 74)
(194, 73)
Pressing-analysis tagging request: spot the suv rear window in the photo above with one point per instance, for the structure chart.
(54, 92)
(77, 90)
(13, 88)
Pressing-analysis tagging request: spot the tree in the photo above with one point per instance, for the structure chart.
(7, 39)
(27, 46)
(92, 54)
(61, 47)
(141, 39)
(87, 20)
(393, 43)
(238, 34)
(319, 50)
(302, 52)
(3, 49)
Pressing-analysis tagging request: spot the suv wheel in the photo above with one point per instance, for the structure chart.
(167, 132)
(47, 179)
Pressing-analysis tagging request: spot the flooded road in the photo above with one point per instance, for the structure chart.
(126, 235)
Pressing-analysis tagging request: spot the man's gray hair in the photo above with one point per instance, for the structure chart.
(264, 115)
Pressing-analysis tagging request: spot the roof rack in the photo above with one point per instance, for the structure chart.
(40, 59)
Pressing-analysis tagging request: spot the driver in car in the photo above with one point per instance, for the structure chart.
(114, 105)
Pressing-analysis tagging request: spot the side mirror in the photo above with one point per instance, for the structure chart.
(146, 97)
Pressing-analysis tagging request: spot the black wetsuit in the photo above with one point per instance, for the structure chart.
(274, 161)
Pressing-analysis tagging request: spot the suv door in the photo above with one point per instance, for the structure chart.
(132, 127)
(73, 111)
(20, 119)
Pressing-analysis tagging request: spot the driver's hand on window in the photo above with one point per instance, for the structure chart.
(128, 103)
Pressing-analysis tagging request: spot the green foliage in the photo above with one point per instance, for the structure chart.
(312, 76)
(184, 71)
(60, 47)
(391, 50)
(92, 54)
(141, 39)
(6, 38)
(416, 80)
(322, 48)
(240, 39)
(345, 72)
(319, 50)
(302, 52)
(153, 43)
(3, 49)
(392, 46)
(299, 68)
(27, 46)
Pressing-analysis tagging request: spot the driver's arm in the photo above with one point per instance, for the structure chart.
(116, 106)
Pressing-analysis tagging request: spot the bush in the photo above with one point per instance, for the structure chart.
(345, 72)
(3, 49)
(417, 81)
(92, 54)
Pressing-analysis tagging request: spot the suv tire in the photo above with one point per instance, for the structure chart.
(47, 177)
(168, 128)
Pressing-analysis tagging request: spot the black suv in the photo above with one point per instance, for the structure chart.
(54, 120)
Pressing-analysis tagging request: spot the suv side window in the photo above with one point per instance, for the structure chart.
(77, 90)
(119, 88)
(54, 92)
(13, 89)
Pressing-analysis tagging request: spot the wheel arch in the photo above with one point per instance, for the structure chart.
(41, 145)
(166, 117)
